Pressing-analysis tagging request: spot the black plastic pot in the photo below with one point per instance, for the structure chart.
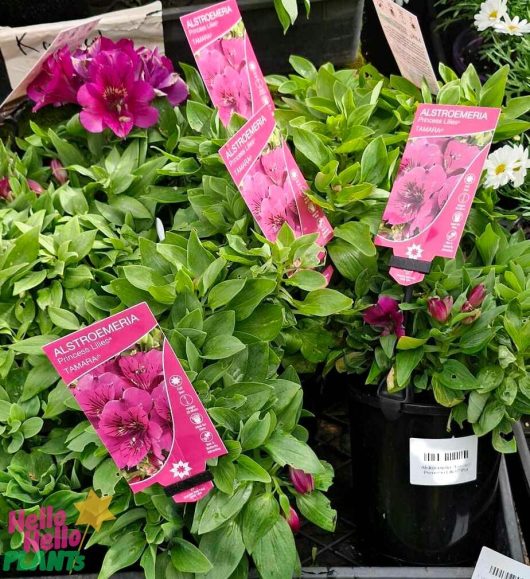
(419, 525)
(519, 466)
(330, 34)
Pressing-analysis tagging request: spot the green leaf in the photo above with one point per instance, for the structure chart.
(255, 431)
(303, 66)
(63, 318)
(307, 279)
(357, 234)
(130, 205)
(68, 154)
(275, 553)
(456, 376)
(222, 507)
(106, 477)
(491, 417)
(315, 507)
(323, 302)
(188, 558)
(224, 548)
(248, 469)
(312, 147)
(198, 258)
(493, 90)
(259, 516)
(247, 300)
(476, 404)
(39, 378)
(265, 323)
(32, 346)
(29, 281)
(220, 347)
(31, 426)
(410, 343)
(406, 362)
(489, 378)
(125, 551)
(285, 449)
(223, 292)
(374, 162)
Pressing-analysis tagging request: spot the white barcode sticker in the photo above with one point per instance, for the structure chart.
(443, 461)
(493, 565)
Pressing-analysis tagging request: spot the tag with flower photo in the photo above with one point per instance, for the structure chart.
(226, 60)
(271, 183)
(435, 185)
(128, 381)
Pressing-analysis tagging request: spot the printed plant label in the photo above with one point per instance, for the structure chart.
(493, 565)
(443, 461)
(131, 386)
(437, 180)
(403, 33)
(271, 183)
(226, 60)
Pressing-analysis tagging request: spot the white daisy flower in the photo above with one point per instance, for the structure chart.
(490, 13)
(514, 26)
(499, 167)
(520, 166)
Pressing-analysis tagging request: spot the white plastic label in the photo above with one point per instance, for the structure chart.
(493, 565)
(443, 461)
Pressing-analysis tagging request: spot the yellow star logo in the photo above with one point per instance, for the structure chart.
(93, 511)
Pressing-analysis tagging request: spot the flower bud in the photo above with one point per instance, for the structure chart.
(440, 309)
(302, 482)
(476, 296)
(472, 318)
(294, 520)
(5, 189)
(34, 186)
(58, 171)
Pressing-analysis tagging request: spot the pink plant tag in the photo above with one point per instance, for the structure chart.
(435, 185)
(226, 60)
(128, 381)
(271, 183)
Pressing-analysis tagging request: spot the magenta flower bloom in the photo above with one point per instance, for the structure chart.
(255, 188)
(386, 316)
(294, 520)
(234, 51)
(274, 166)
(421, 153)
(57, 83)
(143, 369)
(212, 64)
(440, 309)
(302, 481)
(226, 89)
(458, 156)
(93, 392)
(159, 73)
(5, 188)
(127, 431)
(58, 171)
(115, 97)
(275, 211)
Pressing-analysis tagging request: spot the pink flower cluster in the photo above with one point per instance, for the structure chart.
(114, 84)
(268, 193)
(223, 66)
(126, 402)
(429, 171)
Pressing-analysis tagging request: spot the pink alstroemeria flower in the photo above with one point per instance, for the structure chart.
(255, 188)
(293, 520)
(56, 84)
(93, 392)
(36, 187)
(158, 71)
(226, 93)
(302, 481)
(143, 369)
(212, 64)
(275, 211)
(386, 316)
(127, 431)
(440, 308)
(234, 51)
(274, 166)
(58, 171)
(5, 188)
(244, 106)
(115, 97)
(458, 156)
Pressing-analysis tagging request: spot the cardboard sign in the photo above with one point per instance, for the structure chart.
(435, 185)
(23, 47)
(130, 384)
(271, 183)
(403, 33)
(226, 60)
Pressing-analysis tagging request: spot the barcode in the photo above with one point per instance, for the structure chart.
(502, 573)
(445, 456)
